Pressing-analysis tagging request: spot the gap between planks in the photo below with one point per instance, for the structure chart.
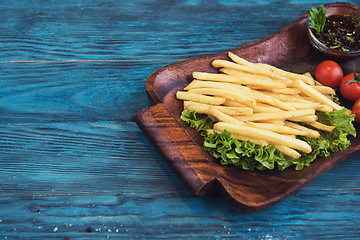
(124, 193)
(94, 60)
(80, 194)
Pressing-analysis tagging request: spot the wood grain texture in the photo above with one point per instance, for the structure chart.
(176, 215)
(74, 165)
(73, 91)
(141, 29)
(61, 158)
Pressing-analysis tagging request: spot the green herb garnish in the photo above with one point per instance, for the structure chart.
(350, 39)
(317, 18)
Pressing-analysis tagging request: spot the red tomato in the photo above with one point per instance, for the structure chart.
(350, 90)
(329, 73)
(356, 110)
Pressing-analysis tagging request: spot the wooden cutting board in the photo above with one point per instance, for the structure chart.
(181, 146)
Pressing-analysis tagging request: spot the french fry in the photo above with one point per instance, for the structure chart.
(266, 135)
(303, 105)
(232, 103)
(245, 68)
(226, 94)
(253, 80)
(277, 128)
(310, 118)
(223, 85)
(256, 141)
(262, 97)
(321, 126)
(200, 108)
(310, 133)
(200, 98)
(324, 89)
(235, 111)
(282, 74)
(289, 91)
(205, 108)
(321, 106)
(241, 92)
(224, 117)
(239, 60)
(216, 77)
(233, 76)
(282, 105)
(288, 151)
(265, 108)
(309, 91)
(299, 102)
(275, 71)
(324, 108)
(278, 122)
(290, 98)
(276, 115)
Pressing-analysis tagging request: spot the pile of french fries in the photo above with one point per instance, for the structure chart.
(260, 103)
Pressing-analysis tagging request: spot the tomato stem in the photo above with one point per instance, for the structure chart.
(356, 79)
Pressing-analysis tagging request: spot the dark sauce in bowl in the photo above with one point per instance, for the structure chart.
(343, 20)
(341, 33)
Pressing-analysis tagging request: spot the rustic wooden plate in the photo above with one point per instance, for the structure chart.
(181, 146)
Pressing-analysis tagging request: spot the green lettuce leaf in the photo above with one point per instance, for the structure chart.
(249, 156)
(200, 122)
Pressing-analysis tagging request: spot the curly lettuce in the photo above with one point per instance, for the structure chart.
(248, 156)
(199, 122)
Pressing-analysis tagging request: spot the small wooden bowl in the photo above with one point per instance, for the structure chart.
(342, 9)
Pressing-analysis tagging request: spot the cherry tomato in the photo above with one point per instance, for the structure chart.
(329, 73)
(356, 110)
(350, 90)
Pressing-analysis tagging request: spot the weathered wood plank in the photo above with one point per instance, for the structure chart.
(138, 30)
(62, 158)
(74, 91)
(308, 214)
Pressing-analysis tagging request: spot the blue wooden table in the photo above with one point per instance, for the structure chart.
(74, 165)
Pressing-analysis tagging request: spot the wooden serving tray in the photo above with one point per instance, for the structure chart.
(182, 148)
